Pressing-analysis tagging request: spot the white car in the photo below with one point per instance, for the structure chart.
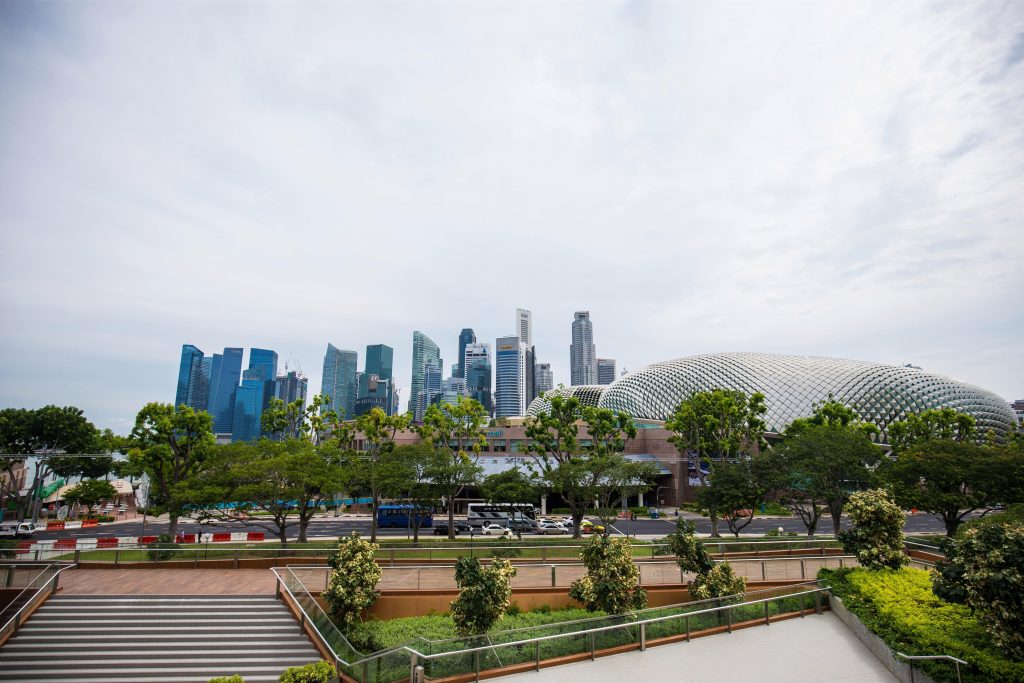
(495, 530)
(551, 528)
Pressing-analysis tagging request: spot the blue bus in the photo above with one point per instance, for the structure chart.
(402, 516)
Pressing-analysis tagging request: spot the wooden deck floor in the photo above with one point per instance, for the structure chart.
(167, 582)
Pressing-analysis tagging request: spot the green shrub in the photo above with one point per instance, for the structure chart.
(315, 672)
(900, 607)
(352, 586)
(718, 582)
(227, 679)
(612, 583)
(7, 548)
(163, 549)
(484, 594)
(877, 534)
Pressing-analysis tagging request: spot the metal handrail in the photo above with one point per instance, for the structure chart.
(956, 662)
(312, 622)
(50, 580)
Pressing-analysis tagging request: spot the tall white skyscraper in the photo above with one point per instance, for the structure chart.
(524, 326)
(582, 355)
(510, 377)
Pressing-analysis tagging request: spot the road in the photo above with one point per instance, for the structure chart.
(331, 527)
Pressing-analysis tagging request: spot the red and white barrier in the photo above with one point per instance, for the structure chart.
(61, 545)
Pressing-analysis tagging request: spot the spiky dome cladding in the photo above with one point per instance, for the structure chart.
(792, 386)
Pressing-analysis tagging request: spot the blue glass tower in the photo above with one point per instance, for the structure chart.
(225, 372)
(248, 410)
(466, 337)
(190, 367)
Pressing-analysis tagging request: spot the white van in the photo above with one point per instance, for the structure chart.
(16, 530)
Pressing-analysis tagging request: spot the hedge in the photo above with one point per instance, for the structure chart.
(900, 607)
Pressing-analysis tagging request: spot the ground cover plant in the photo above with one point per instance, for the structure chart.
(900, 607)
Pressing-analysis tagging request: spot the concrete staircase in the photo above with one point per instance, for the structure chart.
(155, 639)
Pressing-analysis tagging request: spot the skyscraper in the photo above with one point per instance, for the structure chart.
(263, 362)
(339, 381)
(292, 387)
(199, 387)
(524, 326)
(424, 352)
(605, 370)
(225, 373)
(191, 360)
(247, 411)
(466, 337)
(477, 360)
(544, 378)
(432, 381)
(582, 356)
(510, 377)
(376, 388)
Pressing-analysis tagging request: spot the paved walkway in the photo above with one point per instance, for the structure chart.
(167, 582)
(814, 649)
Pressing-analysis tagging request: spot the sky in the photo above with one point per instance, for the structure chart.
(833, 178)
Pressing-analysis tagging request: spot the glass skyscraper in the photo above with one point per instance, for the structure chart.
(376, 388)
(225, 373)
(424, 352)
(477, 359)
(466, 337)
(582, 356)
(339, 380)
(605, 370)
(191, 364)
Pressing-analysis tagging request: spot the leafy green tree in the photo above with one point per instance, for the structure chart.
(937, 424)
(171, 444)
(57, 436)
(951, 479)
(877, 534)
(984, 568)
(89, 492)
(412, 468)
(352, 586)
(816, 469)
(831, 413)
(612, 582)
(691, 555)
(456, 431)
(585, 473)
(282, 481)
(374, 467)
(296, 420)
(484, 594)
(514, 486)
(735, 490)
(717, 425)
(719, 582)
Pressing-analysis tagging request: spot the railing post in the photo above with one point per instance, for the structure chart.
(766, 620)
(236, 559)
(117, 557)
(476, 663)
(803, 572)
(553, 583)
(643, 637)
(910, 665)
(413, 661)
(592, 648)
(728, 613)
(537, 654)
(687, 628)
(817, 602)
(764, 571)
(366, 671)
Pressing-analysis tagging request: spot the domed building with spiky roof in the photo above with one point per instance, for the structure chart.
(792, 386)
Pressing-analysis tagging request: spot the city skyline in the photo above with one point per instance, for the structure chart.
(837, 179)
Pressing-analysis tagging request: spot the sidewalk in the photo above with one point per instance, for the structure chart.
(167, 582)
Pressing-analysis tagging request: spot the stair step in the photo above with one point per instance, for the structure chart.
(176, 653)
(121, 674)
(169, 663)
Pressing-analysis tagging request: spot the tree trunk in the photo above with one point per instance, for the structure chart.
(577, 518)
(303, 526)
(951, 521)
(451, 518)
(172, 525)
(713, 516)
(837, 516)
(373, 517)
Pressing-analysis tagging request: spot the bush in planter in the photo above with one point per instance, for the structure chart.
(484, 594)
(877, 535)
(612, 583)
(353, 583)
(316, 672)
(163, 549)
(227, 679)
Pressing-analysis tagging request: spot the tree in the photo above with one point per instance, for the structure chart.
(89, 492)
(951, 479)
(984, 568)
(717, 425)
(817, 468)
(511, 487)
(877, 535)
(171, 445)
(283, 480)
(831, 413)
(733, 489)
(296, 420)
(936, 424)
(484, 594)
(585, 474)
(612, 582)
(352, 586)
(711, 580)
(457, 432)
(56, 436)
(373, 467)
(413, 467)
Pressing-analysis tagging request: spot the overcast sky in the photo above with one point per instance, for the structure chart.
(822, 178)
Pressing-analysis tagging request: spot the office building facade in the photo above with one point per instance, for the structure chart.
(544, 378)
(582, 355)
(510, 377)
(291, 387)
(466, 337)
(188, 369)
(477, 360)
(424, 352)
(225, 375)
(605, 370)
(339, 380)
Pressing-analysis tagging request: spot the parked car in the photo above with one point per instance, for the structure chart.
(441, 528)
(552, 528)
(527, 525)
(17, 530)
(587, 527)
(495, 530)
